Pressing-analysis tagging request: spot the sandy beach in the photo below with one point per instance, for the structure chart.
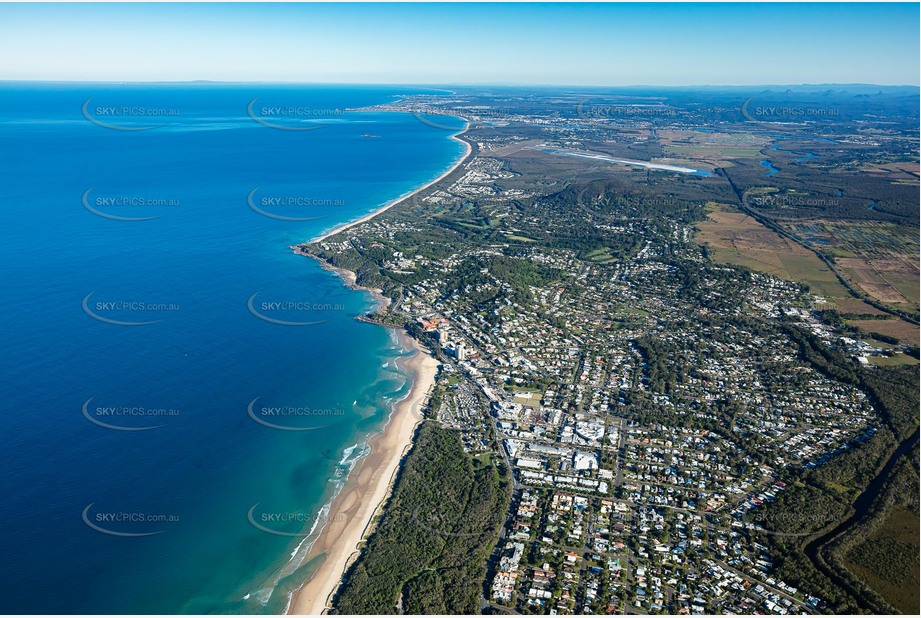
(370, 482)
(366, 489)
(467, 150)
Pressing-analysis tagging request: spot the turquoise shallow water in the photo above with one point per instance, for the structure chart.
(147, 431)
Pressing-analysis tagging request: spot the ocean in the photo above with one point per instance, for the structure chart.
(184, 393)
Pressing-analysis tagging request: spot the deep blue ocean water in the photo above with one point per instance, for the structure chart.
(180, 495)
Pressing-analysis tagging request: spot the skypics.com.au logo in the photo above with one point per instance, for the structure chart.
(126, 117)
(291, 117)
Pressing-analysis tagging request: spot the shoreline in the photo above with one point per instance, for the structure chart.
(367, 489)
(468, 149)
(348, 277)
(353, 510)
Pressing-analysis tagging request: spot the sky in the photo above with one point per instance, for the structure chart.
(513, 44)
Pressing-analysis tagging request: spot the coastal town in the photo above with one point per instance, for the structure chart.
(611, 515)
(649, 402)
(461, 308)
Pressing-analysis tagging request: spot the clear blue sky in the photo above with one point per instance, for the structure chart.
(587, 44)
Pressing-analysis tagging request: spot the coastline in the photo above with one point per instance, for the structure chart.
(348, 277)
(468, 149)
(367, 488)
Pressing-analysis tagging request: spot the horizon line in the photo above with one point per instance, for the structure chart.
(451, 84)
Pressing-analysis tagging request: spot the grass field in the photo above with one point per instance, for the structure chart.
(907, 287)
(710, 150)
(518, 238)
(893, 328)
(853, 307)
(888, 560)
(900, 171)
(736, 238)
(893, 361)
(879, 258)
(713, 151)
(599, 255)
(887, 272)
(533, 398)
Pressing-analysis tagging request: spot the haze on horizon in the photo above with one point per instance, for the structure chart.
(511, 44)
